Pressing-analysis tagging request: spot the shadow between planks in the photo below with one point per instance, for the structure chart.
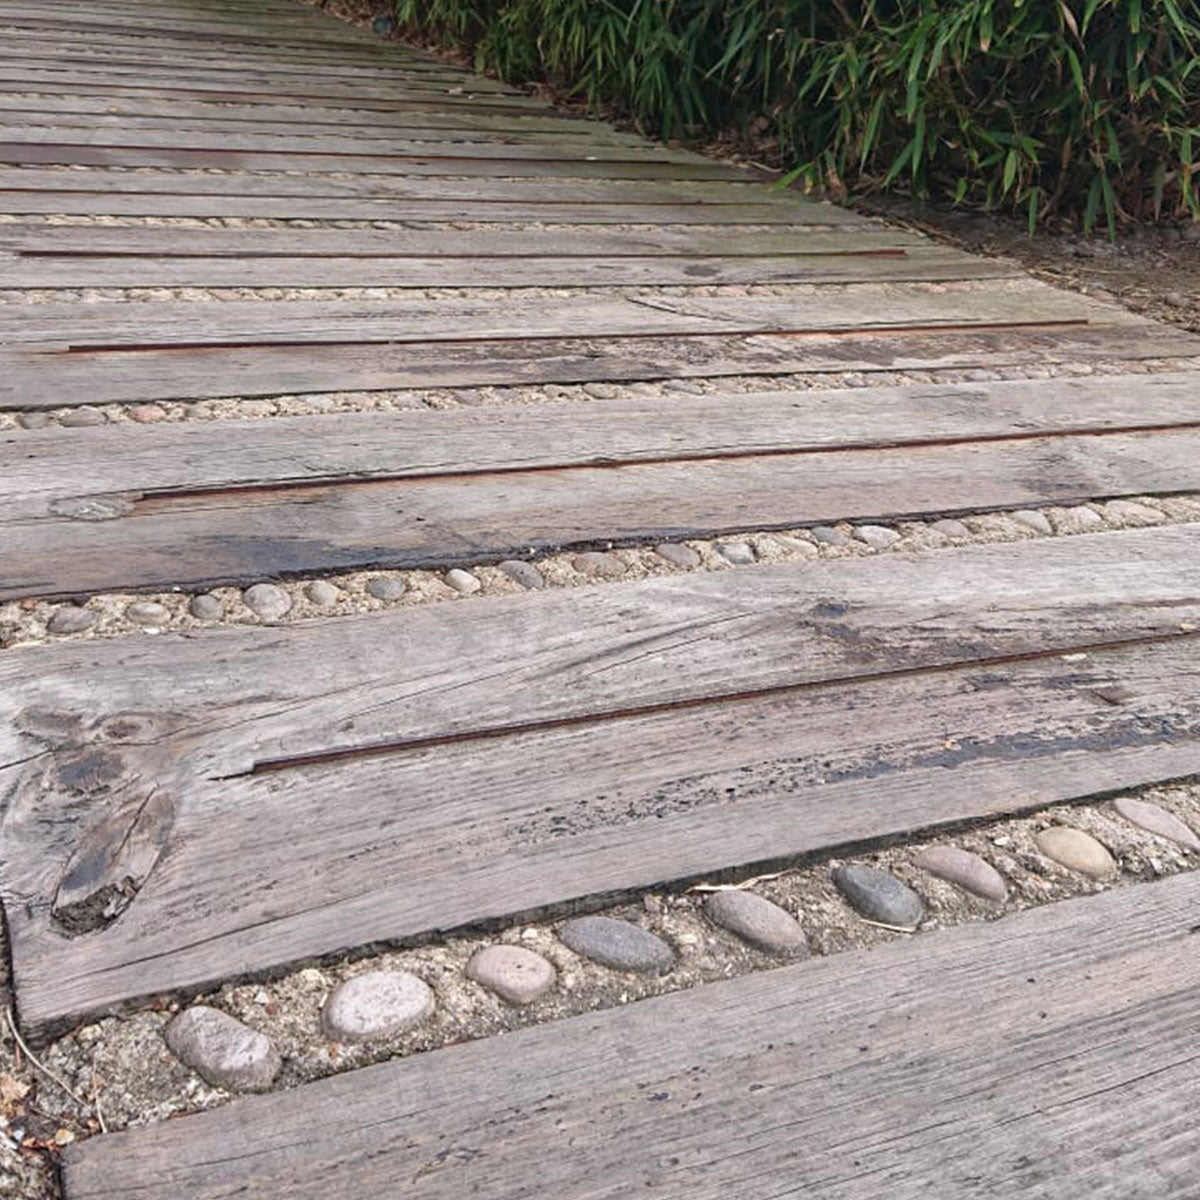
(332, 785)
(865, 1076)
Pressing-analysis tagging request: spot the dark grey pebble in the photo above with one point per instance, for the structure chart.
(829, 535)
(386, 587)
(206, 607)
(678, 555)
(526, 574)
(70, 619)
(618, 944)
(879, 896)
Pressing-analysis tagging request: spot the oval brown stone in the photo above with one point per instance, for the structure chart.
(514, 973)
(965, 870)
(1075, 850)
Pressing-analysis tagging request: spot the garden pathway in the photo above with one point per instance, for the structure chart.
(536, 520)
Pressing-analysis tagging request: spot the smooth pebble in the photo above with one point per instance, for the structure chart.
(617, 944)
(1075, 850)
(1155, 819)
(322, 593)
(515, 974)
(223, 1051)
(879, 896)
(741, 554)
(376, 1004)
(964, 869)
(268, 601)
(206, 607)
(526, 574)
(385, 587)
(678, 555)
(878, 537)
(147, 612)
(757, 920)
(71, 619)
(463, 581)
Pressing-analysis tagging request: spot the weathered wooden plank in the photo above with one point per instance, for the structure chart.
(90, 203)
(27, 380)
(131, 90)
(151, 112)
(168, 540)
(551, 191)
(111, 325)
(159, 242)
(335, 151)
(45, 468)
(419, 160)
(681, 734)
(14, 79)
(864, 1076)
(45, 269)
(67, 127)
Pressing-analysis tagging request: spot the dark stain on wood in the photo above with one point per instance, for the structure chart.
(111, 863)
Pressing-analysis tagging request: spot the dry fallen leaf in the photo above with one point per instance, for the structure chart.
(12, 1090)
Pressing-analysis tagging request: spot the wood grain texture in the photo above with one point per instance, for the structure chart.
(58, 327)
(530, 771)
(29, 379)
(865, 1076)
(479, 246)
(46, 467)
(202, 540)
(410, 159)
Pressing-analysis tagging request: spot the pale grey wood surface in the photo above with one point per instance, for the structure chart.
(504, 756)
(53, 465)
(27, 380)
(111, 325)
(598, 191)
(479, 246)
(865, 1076)
(201, 540)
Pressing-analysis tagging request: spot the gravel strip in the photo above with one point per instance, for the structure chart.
(122, 1069)
(31, 621)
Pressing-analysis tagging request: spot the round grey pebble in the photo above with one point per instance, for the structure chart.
(386, 587)
(878, 537)
(678, 555)
(827, 535)
(33, 420)
(879, 896)
(1130, 512)
(267, 600)
(81, 418)
(147, 612)
(207, 607)
(377, 1004)
(463, 581)
(758, 921)
(949, 527)
(602, 391)
(1079, 519)
(618, 944)
(526, 574)
(598, 565)
(515, 974)
(71, 619)
(322, 593)
(1032, 519)
(741, 554)
(223, 1051)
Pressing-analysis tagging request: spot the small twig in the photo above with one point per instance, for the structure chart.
(8, 1012)
(893, 928)
(733, 887)
(100, 1115)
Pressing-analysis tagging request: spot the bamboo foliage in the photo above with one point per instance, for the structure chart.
(1086, 109)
